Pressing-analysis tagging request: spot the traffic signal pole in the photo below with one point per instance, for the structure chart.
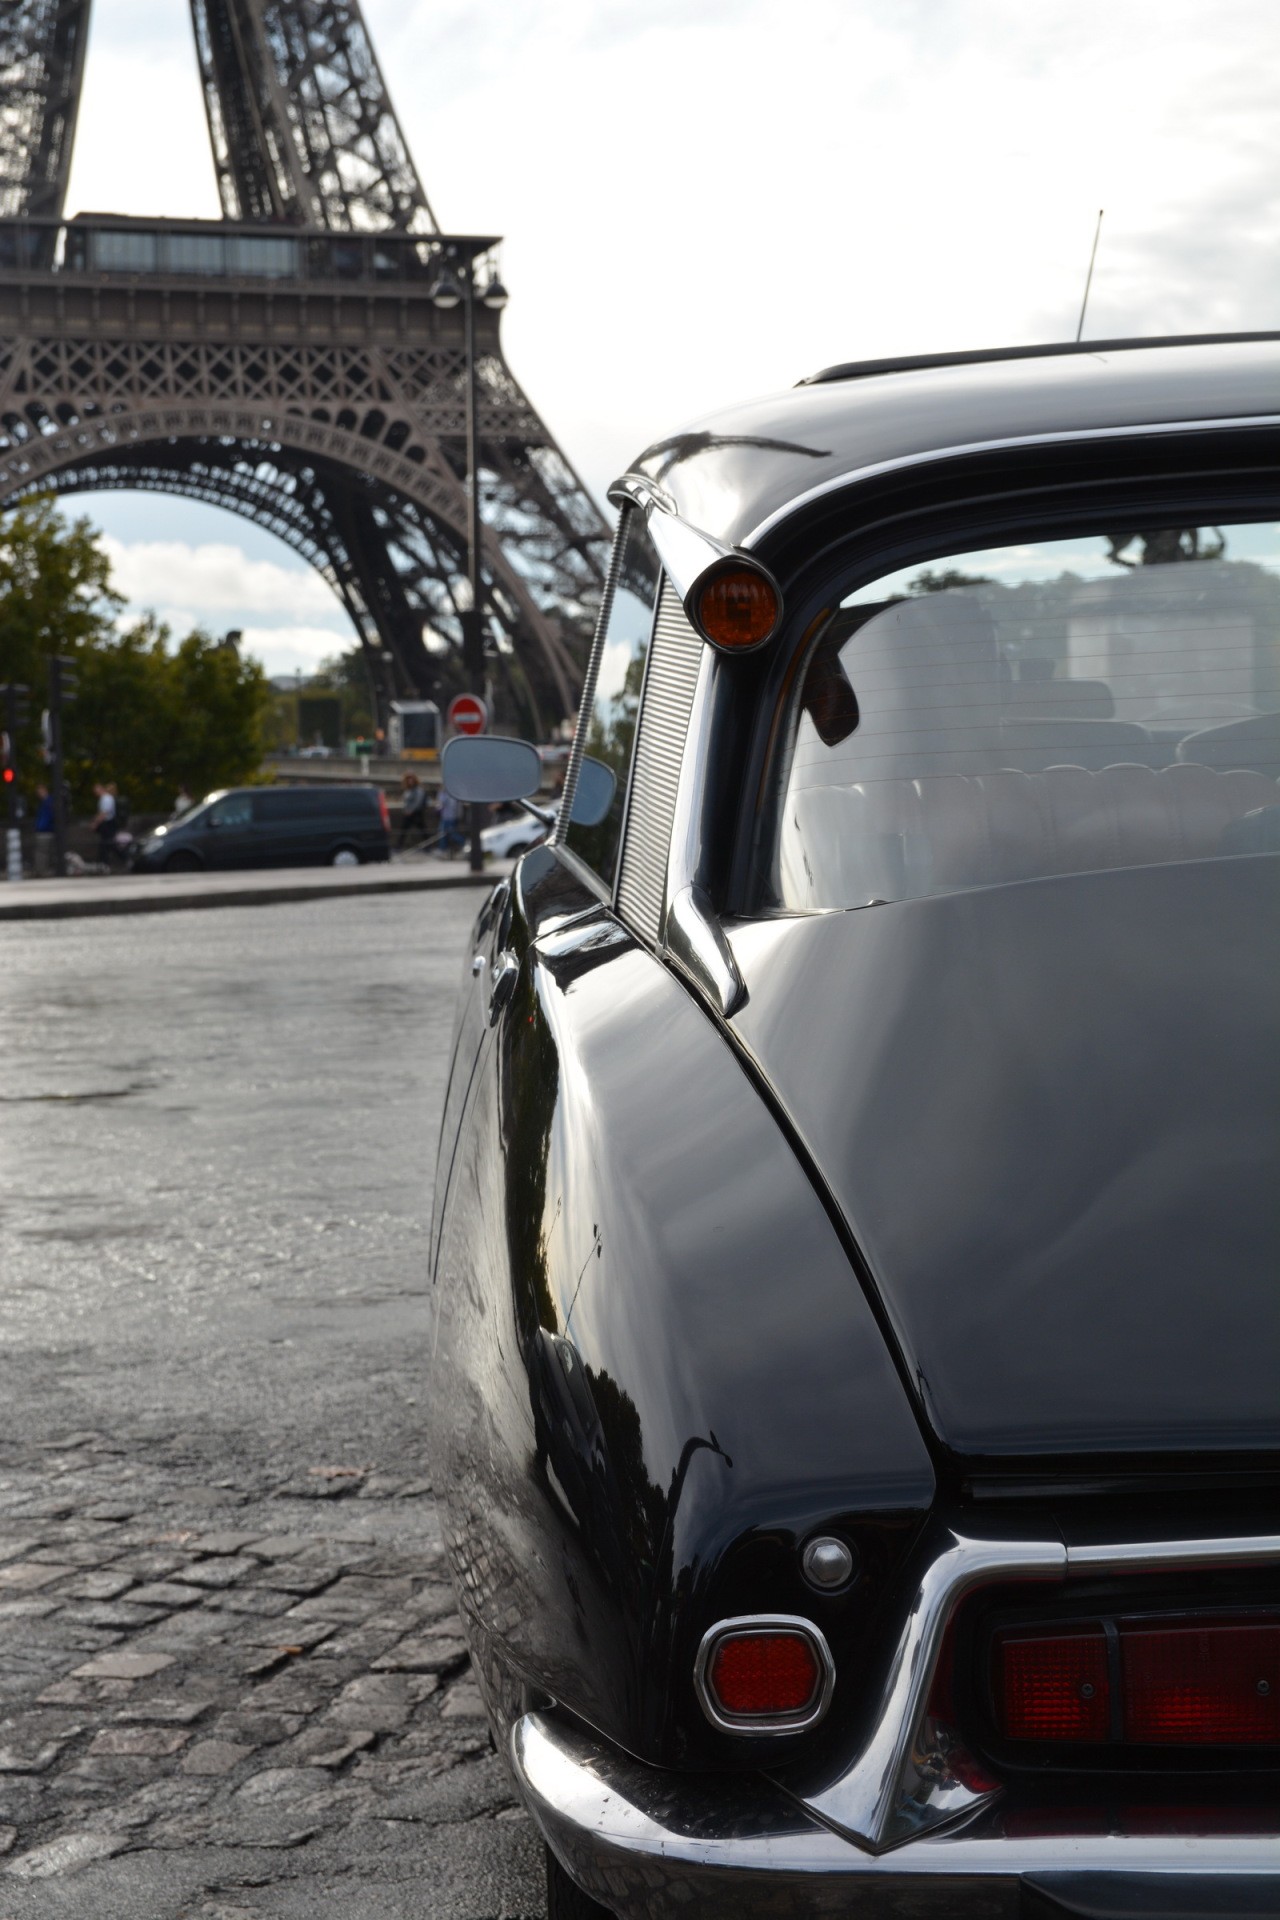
(15, 706)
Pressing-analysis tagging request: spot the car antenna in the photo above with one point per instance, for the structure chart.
(1088, 279)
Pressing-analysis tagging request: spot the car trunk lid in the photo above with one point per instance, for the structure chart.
(1049, 1114)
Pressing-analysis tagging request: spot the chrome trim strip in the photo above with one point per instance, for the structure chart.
(1168, 1556)
(694, 939)
(855, 476)
(902, 1782)
(754, 1725)
(642, 1840)
(641, 491)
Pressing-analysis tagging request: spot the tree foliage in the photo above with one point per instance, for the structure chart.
(148, 714)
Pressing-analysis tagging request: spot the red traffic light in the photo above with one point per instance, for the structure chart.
(9, 776)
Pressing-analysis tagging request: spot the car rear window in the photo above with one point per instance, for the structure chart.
(1046, 708)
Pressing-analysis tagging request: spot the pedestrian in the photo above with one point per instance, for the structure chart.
(45, 828)
(413, 810)
(451, 834)
(104, 820)
(182, 803)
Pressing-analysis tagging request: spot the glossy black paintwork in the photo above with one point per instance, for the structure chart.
(622, 1199)
(1050, 1114)
(730, 473)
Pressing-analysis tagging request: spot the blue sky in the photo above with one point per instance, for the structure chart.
(708, 198)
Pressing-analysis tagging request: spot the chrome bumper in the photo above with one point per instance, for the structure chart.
(647, 1842)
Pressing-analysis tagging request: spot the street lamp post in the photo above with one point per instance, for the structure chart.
(450, 291)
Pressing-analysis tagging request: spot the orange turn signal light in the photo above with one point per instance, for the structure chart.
(738, 608)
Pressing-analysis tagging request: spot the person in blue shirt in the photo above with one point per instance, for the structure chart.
(45, 826)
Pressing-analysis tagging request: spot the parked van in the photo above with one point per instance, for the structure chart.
(335, 825)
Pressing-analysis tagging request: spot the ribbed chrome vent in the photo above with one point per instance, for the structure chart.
(675, 656)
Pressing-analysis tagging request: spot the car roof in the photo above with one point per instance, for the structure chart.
(737, 473)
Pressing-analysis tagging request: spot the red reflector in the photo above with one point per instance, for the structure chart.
(1054, 1689)
(764, 1673)
(1205, 1685)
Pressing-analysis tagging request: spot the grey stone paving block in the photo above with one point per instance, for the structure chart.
(60, 1855)
(279, 1546)
(257, 1729)
(420, 1654)
(150, 1563)
(167, 1593)
(251, 1600)
(289, 1576)
(25, 1576)
(19, 1546)
(463, 1702)
(289, 1692)
(327, 1746)
(283, 1632)
(155, 1742)
(125, 1665)
(73, 1553)
(27, 1609)
(227, 1542)
(84, 1693)
(215, 1756)
(115, 1614)
(219, 1572)
(32, 1743)
(383, 1589)
(7, 1837)
(104, 1585)
(169, 1709)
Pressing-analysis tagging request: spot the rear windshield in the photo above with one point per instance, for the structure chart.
(1046, 708)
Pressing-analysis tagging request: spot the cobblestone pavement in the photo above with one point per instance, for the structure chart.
(232, 1681)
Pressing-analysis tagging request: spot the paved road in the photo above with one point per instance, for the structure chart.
(231, 1682)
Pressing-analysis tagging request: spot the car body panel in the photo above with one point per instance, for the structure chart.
(708, 1418)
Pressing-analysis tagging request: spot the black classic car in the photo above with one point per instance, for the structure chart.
(856, 1251)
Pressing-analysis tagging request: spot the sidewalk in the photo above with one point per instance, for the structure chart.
(168, 892)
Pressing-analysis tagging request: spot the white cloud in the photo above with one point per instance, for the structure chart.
(210, 583)
(294, 649)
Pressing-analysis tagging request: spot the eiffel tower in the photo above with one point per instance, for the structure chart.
(288, 362)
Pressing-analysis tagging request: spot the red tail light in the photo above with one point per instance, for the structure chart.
(770, 1676)
(1177, 1682)
(1055, 1689)
(1206, 1685)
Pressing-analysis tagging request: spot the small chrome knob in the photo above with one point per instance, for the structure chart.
(827, 1563)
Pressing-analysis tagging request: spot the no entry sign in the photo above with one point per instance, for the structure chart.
(467, 714)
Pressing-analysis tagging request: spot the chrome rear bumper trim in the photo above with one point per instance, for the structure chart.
(903, 1782)
(647, 1842)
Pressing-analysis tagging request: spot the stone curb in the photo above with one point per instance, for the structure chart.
(74, 899)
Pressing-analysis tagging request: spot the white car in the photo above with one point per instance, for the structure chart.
(511, 837)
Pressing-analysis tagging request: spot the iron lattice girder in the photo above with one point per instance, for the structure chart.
(42, 47)
(346, 533)
(300, 119)
(364, 388)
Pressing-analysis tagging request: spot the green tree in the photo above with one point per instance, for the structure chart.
(55, 597)
(152, 719)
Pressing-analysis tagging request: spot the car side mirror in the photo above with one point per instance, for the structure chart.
(485, 768)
